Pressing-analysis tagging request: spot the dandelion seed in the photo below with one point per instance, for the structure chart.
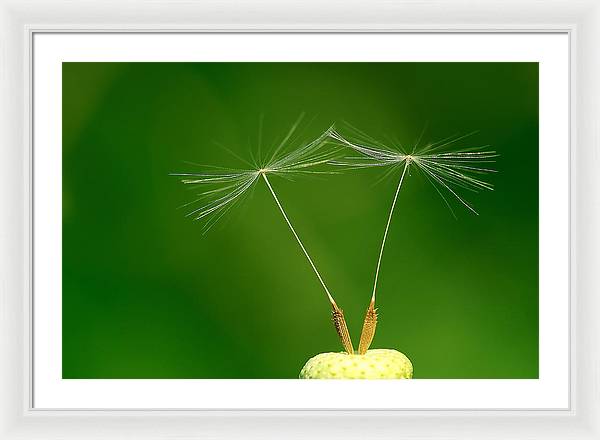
(222, 189)
(449, 169)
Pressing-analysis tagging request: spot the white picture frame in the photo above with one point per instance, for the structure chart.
(20, 20)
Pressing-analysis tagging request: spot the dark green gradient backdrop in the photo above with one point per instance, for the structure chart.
(146, 296)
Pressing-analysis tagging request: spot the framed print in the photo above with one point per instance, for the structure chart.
(228, 230)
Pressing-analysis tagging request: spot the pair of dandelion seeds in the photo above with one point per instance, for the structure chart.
(448, 167)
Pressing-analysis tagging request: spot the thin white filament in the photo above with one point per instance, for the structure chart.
(298, 239)
(387, 227)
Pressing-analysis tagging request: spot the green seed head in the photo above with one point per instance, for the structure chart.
(374, 364)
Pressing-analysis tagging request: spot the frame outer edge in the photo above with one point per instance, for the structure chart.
(14, 254)
(586, 203)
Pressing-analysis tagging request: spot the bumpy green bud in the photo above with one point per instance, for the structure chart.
(374, 364)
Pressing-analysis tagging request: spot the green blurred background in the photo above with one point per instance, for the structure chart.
(145, 295)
